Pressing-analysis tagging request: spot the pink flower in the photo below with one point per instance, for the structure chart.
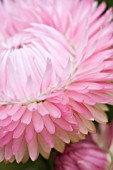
(56, 69)
(104, 138)
(85, 155)
(34, 111)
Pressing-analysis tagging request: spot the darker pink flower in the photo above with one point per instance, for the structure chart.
(85, 155)
(56, 69)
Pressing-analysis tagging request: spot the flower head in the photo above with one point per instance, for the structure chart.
(56, 74)
(34, 111)
(104, 138)
(85, 155)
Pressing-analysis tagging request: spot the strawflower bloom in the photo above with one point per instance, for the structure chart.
(104, 138)
(85, 155)
(56, 69)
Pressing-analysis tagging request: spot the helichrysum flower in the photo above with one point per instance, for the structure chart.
(85, 155)
(56, 69)
(104, 138)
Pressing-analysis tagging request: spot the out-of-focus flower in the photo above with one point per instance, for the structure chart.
(85, 155)
(55, 76)
(104, 138)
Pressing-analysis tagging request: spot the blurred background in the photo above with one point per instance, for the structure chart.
(109, 2)
(42, 164)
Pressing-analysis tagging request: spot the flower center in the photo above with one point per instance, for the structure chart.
(35, 64)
